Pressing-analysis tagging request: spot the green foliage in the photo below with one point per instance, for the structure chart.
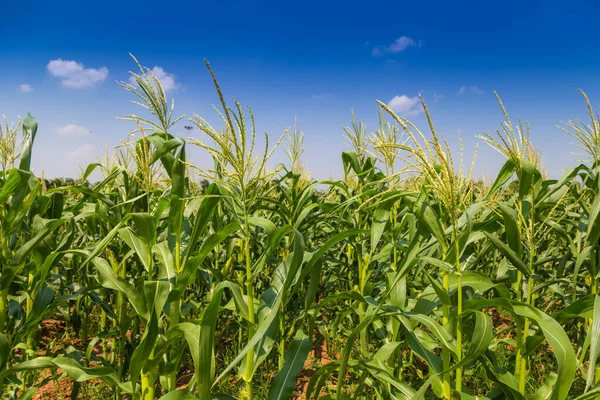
(405, 279)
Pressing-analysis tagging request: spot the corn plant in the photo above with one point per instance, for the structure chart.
(406, 278)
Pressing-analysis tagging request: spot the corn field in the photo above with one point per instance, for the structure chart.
(408, 278)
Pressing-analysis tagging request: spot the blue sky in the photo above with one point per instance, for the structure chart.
(311, 60)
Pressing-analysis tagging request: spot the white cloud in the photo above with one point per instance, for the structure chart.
(321, 96)
(74, 75)
(85, 152)
(470, 89)
(167, 79)
(431, 96)
(25, 88)
(405, 106)
(398, 46)
(73, 130)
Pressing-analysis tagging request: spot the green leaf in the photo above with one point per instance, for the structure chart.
(70, 367)
(527, 174)
(554, 333)
(284, 383)
(350, 161)
(144, 227)
(483, 333)
(205, 212)
(431, 221)
(318, 255)
(433, 361)
(164, 147)
(594, 334)
(545, 391)
(509, 254)
(30, 127)
(380, 218)
(272, 315)
(591, 394)
(268, 226)
(101, 246)
(136, 243)
(506, 172)
(444, 337)
(28, 247)
(109, 279)
(4, 351)
(180, 394)
(511, 227)
(386, 351)
(442, 265)
(207, 246)
(478, 281)
(593, 229)
(177, 204)
(15, 180)
(206, 338)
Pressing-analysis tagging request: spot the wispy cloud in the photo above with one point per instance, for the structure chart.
(470, 89)
(82, 153)
(397, 46)
(321, 96)
(25, 88)
(74, 75)
(429, 94)
(167, 79)
(405, 106)
(73, 130)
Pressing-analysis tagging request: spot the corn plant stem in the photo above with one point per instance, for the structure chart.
(362, 272)
(281, 348)
(103, 328)
(523, 363)
(251, 328)
(148, 376)
(3, 314)
(519, 290)
(29, 305)
(397, 359)
(241, 283)
(178, 253)
(4, 294)
(394, 219)
(281, 359)
(216, 267)
(519, 331)
(446, 391)
(84, 322)
(118, 326)
(175, 312)
(363, 307)
(593, 264)
(459, 327)
(122, 309)
(148, 383)
(31, 347)
(3, 309)
(217, 247)
(593, 291)
(174, 317)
